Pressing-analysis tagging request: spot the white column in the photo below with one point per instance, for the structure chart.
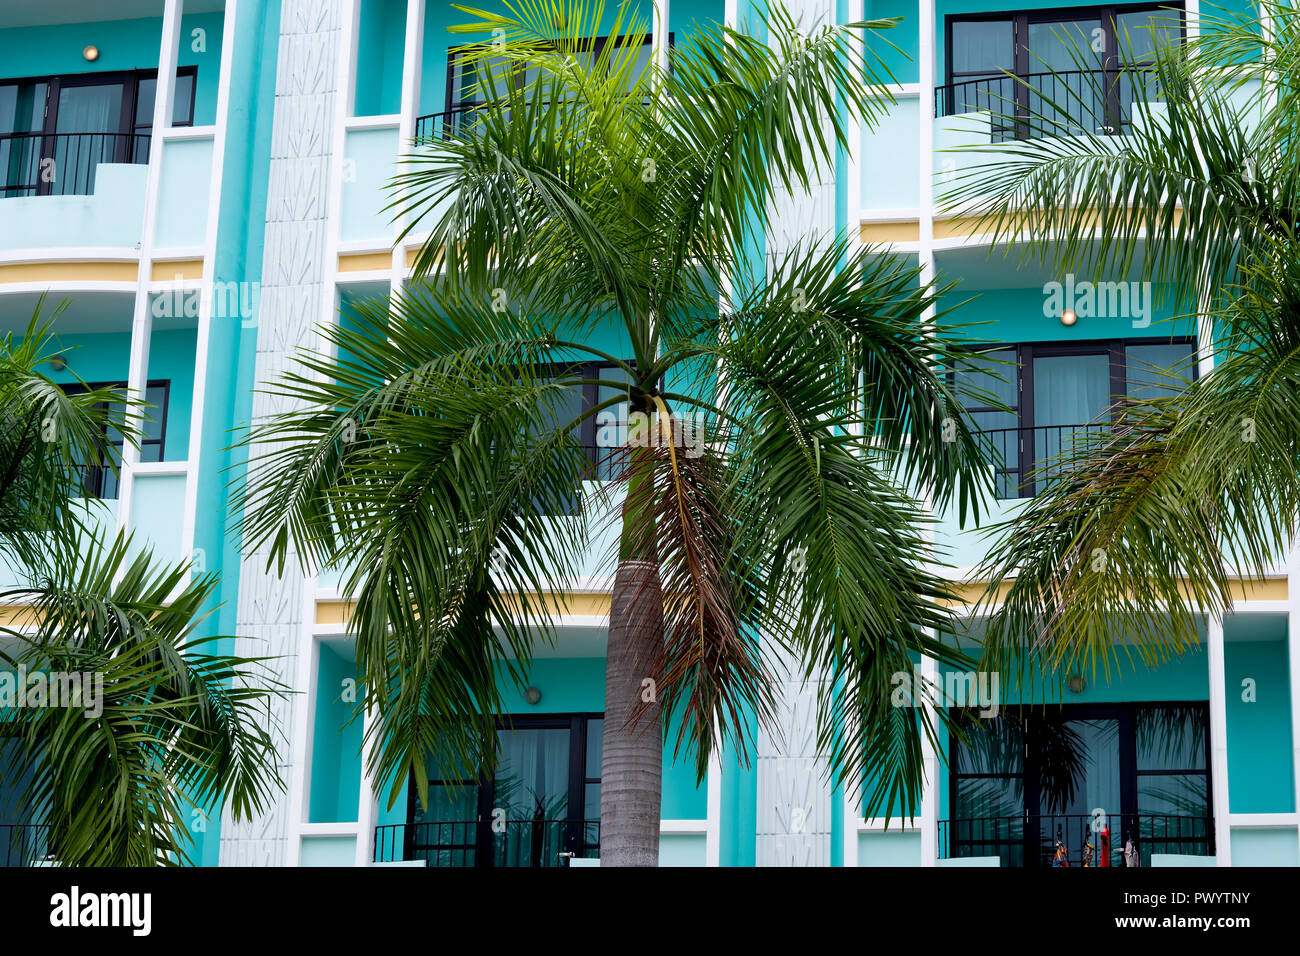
(367, 802)
(306, 677)
(1293, 661)
(713, 822)
(1218, 741)
(142, 318)
(930, 763)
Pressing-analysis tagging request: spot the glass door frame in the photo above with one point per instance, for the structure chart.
(575, 810)
(1125, 712)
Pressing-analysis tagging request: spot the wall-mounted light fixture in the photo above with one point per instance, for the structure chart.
(532, 695)
(90, 53)
(58, 363)
(1076, 684)
(1069, 317)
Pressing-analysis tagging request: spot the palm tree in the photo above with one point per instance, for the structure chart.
(768, 494)
(163, 723)
(1149, 527)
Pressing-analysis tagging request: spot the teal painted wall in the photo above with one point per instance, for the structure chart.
(1260, 776)
(106, 357)
(1016, 315)
(381, 41)
(231, 347)
(336, 743)
(123, 45)
(896, 48)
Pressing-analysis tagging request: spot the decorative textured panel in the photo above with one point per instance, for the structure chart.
(794, 795)
(270, 608)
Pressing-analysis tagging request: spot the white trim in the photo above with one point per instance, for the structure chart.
(1242, 821)
(176, 134)
(387, 121)
(1218, 741)
(326, 830)
(685, 827)
(142, 318)
(47, 254)
(162, 468)
(179, 253)
(878, 825)
(304, 729)
(203, 335)
(1293, 668)
(713, 804)
(71, 285)
(901, 214)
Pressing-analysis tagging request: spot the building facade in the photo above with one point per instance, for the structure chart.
(201, 231)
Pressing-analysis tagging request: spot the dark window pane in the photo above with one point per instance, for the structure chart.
(983, 46)
(979, 797)
(182, 104)
(990, 746)
(1175, 795)
(1155, 371)
(1171, 738)
(1139, 33)
(595, 738)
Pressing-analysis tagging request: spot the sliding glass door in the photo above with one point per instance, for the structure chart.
(538, 808)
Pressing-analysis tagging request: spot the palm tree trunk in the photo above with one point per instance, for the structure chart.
(631, 770)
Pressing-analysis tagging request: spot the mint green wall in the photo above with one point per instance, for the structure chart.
(381, 41)
(1260, 775)
(106, 357)
(123, 45)
(231, 348)
(336, 744)
(1257, 846)
(890, 848)
(329, 851)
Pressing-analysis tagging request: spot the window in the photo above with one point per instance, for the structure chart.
(471, 82)
(1036, 402)
(55, 130)
(541, 804)
(103, 481)
(1078, 774)
(1072, 71)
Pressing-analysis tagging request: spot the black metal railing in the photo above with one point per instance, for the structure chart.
(1035, 105)
(507, 843)
(1026, 459)
(23, 844)
(63, 164)
(435, 126)
(1030, 840)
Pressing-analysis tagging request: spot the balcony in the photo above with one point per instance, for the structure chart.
(470, 843)
(1036, 105)
(1032, 841)
(1026, 459)
(64, 164)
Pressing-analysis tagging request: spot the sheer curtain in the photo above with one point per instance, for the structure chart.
(1069, 390)
(92, 116)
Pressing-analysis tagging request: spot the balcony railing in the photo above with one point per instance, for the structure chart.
(63, 164)
(1025, 459)
(1030, 840)
(467, 843)
(1035, 105)
(23, 844)
(435, 126)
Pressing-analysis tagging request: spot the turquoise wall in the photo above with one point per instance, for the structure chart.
(123, 45)
(336, 743)
(231, 347)
(106, 357)
(380, 50)
(1016, 315)
(897, 47)
(1260, 775)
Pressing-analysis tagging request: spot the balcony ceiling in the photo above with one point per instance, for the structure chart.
(31, 13)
